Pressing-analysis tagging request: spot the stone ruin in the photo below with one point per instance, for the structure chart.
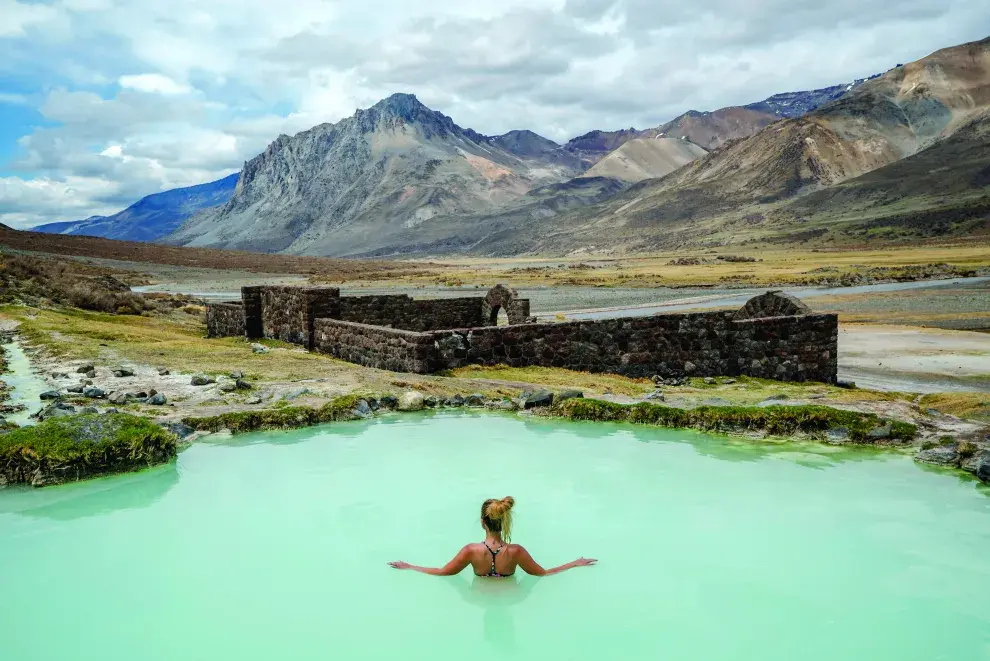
(772, 336)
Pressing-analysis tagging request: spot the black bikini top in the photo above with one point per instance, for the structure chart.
(491, 572)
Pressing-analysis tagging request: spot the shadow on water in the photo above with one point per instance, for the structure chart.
(497, 599)
(93, 497)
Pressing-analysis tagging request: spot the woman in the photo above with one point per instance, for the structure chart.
(495, 557)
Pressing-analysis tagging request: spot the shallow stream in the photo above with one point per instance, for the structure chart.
(26, 384)
(274, 546)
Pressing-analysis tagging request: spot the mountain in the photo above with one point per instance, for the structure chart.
(342, 187)
(795, 104)
(151, 217)
(713, 129)
(646, 158)
(903, 151)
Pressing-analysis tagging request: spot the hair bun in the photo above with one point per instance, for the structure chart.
(508, 501)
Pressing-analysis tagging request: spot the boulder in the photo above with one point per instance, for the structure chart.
(295, 394)
(536, 399)
(242, 384)
(570, 393)
(180, 429)
(657, 395)
(942, 455)
(87, 367)
(59, 375)
(77, 389)
(158, 399)
(389, 402)
(431, 402)
(163, 371)
(502, 405)
(373, 403)
(259, 348)
(880, 432)
(411, 400)
(90, 374)
(689, 367)
(94, 393)
(123, 371)
(837, 436)
(202, 380)
(983, 467)
(455, 401)
(236, 374)
(710, 380)
(88, 409)
(56, 410)
(474, 399)
(50, 394)
(120, 397)
(228, 386)
(363, 409)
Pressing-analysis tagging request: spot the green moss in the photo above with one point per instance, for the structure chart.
(82, 446)
(287, 417)
(773, 420)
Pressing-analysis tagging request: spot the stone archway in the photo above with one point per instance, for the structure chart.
(504, 298)
(774, 303)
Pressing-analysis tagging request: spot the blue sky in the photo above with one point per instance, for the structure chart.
(105, 101)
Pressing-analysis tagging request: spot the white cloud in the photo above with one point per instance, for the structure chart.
(17, 17)
(207, 85)
(153, 83)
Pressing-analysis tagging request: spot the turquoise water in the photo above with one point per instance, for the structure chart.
(274, 546)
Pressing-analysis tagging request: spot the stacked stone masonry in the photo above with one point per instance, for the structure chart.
(399, 334)
(225, 319)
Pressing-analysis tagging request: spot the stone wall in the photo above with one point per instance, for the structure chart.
(251, 297)
(796, 348)
(403, 312)
(224, 319)
(374, 346)
(667, 345)
(288, 313)
(772, 336)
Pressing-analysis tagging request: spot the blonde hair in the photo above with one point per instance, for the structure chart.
(496, 516)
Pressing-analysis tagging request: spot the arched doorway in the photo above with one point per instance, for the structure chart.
(502, 307)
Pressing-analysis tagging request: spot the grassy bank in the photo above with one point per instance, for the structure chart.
(814, 421)
(287, 417)
(73, 448)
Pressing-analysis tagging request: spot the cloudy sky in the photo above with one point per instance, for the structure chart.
(104, 101)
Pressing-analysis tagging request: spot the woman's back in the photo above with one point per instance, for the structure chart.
(494, 559)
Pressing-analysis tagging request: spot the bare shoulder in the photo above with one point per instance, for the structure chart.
(517, 549)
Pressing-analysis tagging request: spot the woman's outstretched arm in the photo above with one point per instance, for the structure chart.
(459, 562)
(532, 567)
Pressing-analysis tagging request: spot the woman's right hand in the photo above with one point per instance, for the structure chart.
(585, 562)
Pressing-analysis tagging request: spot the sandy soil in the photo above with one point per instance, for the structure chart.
(914, 359)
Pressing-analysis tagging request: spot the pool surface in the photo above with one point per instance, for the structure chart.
(274, 546)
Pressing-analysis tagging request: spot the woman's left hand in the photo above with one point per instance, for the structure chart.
(398, 564)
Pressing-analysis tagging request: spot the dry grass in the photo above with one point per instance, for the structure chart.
(968, 405)
(777, 266)
(553, 377)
